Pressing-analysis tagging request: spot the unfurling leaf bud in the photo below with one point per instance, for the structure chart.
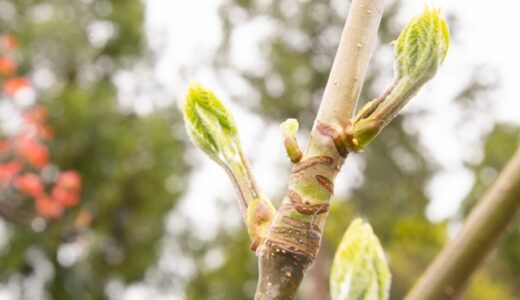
(419, 51)
(422, 46)
(289, 129)
(210, 125)
(359, 270)
(212, 128)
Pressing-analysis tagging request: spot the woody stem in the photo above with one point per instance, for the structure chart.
(294, 237)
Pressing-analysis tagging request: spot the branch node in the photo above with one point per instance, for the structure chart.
(260, 212)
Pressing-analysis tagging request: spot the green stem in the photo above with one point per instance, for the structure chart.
(243, 182)
(253, 186)
(446, 277)
(294, 237)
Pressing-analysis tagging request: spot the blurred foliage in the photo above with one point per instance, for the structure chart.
(487, 287)
(504, 263)
(132, 166)
(133, 172)
(234, 278)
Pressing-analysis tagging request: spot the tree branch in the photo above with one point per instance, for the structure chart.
(446, 277)
(294, 237)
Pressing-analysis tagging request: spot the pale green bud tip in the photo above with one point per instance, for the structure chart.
(209, 123)
(359, 270)
(289, 128)
(422, 46)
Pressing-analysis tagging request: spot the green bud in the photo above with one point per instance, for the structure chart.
(289, 128)
(422, 46)
(260, 212)
(362, 133)
(359, 270)
(212, 128)
(210, 125)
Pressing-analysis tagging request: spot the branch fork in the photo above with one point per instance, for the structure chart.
(287, 241)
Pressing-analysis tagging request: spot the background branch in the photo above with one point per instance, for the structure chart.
(446, 277)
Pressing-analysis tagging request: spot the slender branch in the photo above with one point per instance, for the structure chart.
(446, 277)
(255, 189)
(242, 187)
(294, 237)
(351, 62)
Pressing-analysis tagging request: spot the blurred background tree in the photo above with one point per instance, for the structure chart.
(131, 156)
(131, 165)
(504, 263)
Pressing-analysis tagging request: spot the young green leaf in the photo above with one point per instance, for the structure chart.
(422, 46)
(359, 270)
(210, 125)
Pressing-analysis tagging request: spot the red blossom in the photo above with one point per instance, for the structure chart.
(48, 208)
(5, 146)
(28, 149)
(13, 85)
(30, 184)
(67, 198)
(32, 151)
(69, 180)
(67, 188)
(8, 42)
(7, 66)
(35, 120)
(9, 170)
(37, 114)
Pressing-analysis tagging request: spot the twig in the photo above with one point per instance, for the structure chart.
(446, 277)
(294, 237)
